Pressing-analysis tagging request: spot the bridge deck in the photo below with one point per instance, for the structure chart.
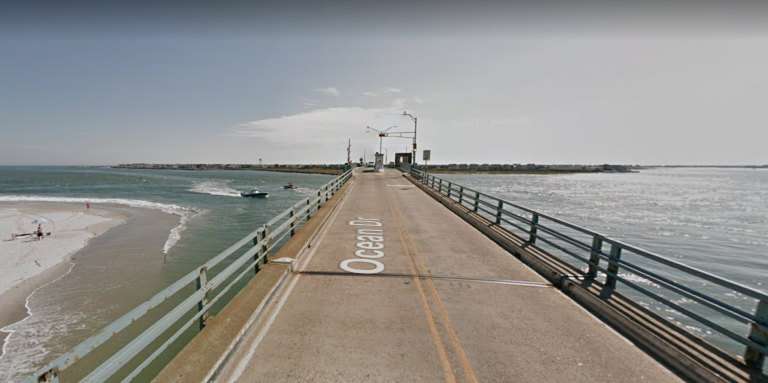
(476, 314)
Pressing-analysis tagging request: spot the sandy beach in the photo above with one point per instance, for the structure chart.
(30, 263)
(83, 276)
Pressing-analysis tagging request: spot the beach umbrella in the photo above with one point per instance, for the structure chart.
(40, 221)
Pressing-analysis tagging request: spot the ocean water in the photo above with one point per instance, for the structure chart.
(712, 219)
(212, 216)
(709, 218)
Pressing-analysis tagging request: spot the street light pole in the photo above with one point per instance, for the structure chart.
(382, 133)
(415, 129)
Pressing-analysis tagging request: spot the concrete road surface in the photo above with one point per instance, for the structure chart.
(396, 288)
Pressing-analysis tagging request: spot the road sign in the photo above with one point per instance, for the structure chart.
(427, 154)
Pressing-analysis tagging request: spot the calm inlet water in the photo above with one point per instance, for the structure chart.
(712, 219)
(213, 217)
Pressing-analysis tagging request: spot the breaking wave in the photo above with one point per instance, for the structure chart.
(183, 213)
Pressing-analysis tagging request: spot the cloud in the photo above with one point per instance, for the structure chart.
(326, 124)
(394, 90)
(419, 100)
(370, 94)
(329, 91)
(399, 103)
(309, 101)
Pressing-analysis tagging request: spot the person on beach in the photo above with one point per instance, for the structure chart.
(39, 232)
(27, 235)
(87, 206)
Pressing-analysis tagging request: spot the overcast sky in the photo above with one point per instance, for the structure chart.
(228, 82)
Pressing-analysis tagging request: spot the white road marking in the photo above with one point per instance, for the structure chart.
(240, 368)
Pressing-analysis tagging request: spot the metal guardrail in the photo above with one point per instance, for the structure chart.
(586, 247)
(270, 234)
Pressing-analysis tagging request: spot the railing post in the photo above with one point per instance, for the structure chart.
(613, 266)
(293, 222)
(256, 241)
(449, 190)
(326, 194)
(202, 280)
(754, 358)
(440, 185)
(51, 376)
(265, 239)
(594, 257)
(309, 208)
(477, 201)
(499, 207)
(534, 228)
(461, 194)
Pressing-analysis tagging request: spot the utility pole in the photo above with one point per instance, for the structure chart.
(415, 128)
(349, 152)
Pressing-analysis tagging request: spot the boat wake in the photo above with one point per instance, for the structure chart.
(214, 188)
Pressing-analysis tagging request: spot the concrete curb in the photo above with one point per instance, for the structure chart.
(210, 350)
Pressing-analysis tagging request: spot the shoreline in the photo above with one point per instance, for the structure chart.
(71, 226)
(14, 297)
(15, 300)
(322, 171)
(13, 303)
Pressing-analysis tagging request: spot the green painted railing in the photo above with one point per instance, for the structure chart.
(258, 246)
(619, 266)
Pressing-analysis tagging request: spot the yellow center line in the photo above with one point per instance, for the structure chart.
(468, 372)
(446, 365)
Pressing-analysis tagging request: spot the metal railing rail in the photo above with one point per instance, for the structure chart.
(541, 227)
(261, 240)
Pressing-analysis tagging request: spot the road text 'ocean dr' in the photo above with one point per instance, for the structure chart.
(370, 247)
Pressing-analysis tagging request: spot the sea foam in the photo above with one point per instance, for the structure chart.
(219, 188)
(184, 213)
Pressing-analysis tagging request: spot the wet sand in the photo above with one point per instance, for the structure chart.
(118, 268)
(31, 263)
(12, 302)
